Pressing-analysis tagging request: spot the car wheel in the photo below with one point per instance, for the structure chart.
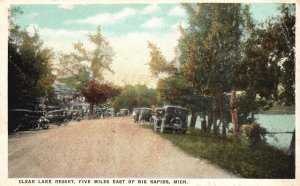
(66, 122)
(35, 125)
(46, 126)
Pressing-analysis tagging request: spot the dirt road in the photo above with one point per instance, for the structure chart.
(106, 148)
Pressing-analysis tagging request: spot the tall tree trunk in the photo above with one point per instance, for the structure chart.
(92, 109)
(193, 120)
(203, 123)
(223, 115)
(233, 111)
(214, 105)
(209, 120)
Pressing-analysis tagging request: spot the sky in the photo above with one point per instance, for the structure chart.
(127, 27)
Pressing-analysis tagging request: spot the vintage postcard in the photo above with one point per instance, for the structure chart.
(148, 93)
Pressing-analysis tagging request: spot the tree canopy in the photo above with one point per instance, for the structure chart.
(29, 67)
(132, 96)
(77, 67)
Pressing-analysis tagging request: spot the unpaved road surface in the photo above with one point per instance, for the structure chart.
(105, 148)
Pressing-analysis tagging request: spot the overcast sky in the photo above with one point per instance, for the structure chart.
(128, 27)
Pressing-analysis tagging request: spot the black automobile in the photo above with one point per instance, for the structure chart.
(61, 116)
(23, 119)
(145, 114)
(173, 118)
(79, 111)
(104, 112)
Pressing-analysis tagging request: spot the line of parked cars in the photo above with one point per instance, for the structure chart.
(24, 119)
(172, 118)
(167, 118)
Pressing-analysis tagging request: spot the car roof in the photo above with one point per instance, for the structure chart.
(171, 106)
(26, 110)
(145, 108)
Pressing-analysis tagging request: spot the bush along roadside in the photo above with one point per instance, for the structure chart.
(239, 157)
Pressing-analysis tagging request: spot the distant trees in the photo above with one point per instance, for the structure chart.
(29, 67)
(132, 96)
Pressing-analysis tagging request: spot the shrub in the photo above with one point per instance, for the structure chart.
(254, 133)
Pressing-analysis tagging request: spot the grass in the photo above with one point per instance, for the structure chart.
(236, 157)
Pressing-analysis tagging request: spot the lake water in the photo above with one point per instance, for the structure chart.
(273, 123)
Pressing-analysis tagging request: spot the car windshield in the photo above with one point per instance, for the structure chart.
(177, 111)
(160, 112)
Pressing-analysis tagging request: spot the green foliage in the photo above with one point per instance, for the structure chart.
(29, 67)
(72, 73)
(268, 64)
(248, 103)
(173, 89)
(223, 48)
(135, 96)
(158, 63)
(210, 46)
(77, 67)
(285, 28)
(254, 133)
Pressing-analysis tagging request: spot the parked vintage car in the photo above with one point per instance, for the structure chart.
(79, 111)
(59, 116)
(105, 112)
(172, 118)
(123, 112)
(109, 112)
(145, 114)
(23, 119)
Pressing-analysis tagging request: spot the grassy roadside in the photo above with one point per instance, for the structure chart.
(236, 157)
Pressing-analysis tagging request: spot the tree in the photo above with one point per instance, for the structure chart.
(135, 96)
(175, 90)
(210, 50)
(97, 93)
(29, 67)
(286, 27)
(267, 68)
(72, 73)
(172, 87)
(77, 67)
(158, 63)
